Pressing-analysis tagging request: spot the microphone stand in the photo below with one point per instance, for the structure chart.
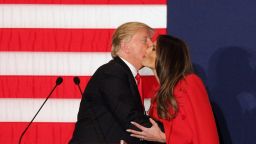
(58, 82)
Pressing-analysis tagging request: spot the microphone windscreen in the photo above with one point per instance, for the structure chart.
(76, 80)
(59, 80)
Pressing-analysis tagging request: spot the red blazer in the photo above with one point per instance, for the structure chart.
(194, 123)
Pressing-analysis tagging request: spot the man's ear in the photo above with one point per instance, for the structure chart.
(124, 46)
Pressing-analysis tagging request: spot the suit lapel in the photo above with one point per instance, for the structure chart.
(133, 85)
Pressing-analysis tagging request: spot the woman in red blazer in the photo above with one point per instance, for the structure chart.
(181, 103)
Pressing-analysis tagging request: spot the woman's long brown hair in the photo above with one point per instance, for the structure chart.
(172, 64)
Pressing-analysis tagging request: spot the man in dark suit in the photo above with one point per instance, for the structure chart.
(111, 99)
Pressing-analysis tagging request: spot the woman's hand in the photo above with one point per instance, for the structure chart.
(150, 134)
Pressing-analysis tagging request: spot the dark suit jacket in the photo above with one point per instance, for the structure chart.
(110, 102)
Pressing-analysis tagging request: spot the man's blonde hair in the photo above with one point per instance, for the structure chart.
(125, 32)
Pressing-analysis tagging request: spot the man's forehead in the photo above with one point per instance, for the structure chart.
(144, 34)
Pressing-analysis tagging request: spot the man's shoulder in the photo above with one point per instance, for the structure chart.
(112, 65)
(111, 68)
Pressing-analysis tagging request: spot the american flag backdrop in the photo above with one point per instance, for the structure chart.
(43, 39)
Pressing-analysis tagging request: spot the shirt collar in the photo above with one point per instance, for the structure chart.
(131, 67)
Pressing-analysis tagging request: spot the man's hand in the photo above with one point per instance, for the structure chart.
(150, 134)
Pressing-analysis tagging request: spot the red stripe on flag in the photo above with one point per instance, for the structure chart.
(56, 40)
(40, 86)
(83, 1)
(38, 133)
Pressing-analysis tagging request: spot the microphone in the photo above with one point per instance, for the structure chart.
(77, 82)
(57, 83)
(95, 123)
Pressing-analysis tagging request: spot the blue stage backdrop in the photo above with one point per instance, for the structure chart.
(222, 40)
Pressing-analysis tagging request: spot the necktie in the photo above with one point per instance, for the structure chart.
(139, 84)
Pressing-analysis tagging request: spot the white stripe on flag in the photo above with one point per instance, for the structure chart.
(54, 63)
(54, 110)
(80, 16)
(23, 110)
